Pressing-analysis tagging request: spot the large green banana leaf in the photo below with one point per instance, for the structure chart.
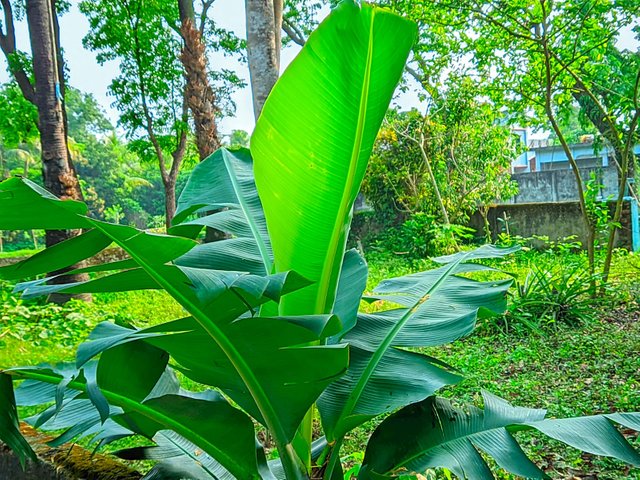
(437, 307)
(224, 184)
(313, 139)
(434, 433)
(293, 378)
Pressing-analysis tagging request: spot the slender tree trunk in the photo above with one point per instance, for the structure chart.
(623, 150)
(4, 174)
(264, 23)
(484, 211)
(57, 169)
(200, 95)
(548, 107)
(434, 182)
(169, 201)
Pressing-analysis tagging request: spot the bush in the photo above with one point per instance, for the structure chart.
(552, 293)
(422, 237)
(42, 323)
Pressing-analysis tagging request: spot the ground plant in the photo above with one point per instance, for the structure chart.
(551, 294)
(270, 327)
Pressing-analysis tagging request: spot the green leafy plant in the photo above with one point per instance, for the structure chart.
(552, 294)
(421, 236)
(271, 329)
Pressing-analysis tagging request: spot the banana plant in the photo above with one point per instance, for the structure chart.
(272, 331)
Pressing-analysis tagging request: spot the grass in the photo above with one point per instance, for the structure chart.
(569, 371)
(18, 253)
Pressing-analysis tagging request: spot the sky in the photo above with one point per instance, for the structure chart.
(88, 76)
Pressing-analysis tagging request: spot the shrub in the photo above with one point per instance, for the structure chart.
(551, 295)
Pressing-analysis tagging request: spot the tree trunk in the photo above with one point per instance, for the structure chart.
(169, 201)
(623, 151)
(264, 23)
(57, 169)
(200, 96)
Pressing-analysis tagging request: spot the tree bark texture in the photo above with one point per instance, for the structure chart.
(200, 96)
(57, 169)
(264, 23)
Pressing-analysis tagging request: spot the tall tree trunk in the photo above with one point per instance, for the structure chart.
(623, 151)
(169, 201)
(200, 96)
(57, 169)
(264, 23)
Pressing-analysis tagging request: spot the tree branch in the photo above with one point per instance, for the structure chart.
(134, 23)
(293, 32)
(8, 46)
(206, 5)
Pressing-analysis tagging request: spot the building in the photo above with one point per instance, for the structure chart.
(547, 198)
(543, 155)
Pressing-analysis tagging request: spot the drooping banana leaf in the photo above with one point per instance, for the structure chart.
(313, 139)
(26, 206)
(436, 307)
(434, 433)
(180, 458)
(58, 256)
(293, 378)
(219, 429)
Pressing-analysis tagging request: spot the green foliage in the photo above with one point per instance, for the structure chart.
(459, 141)
(421, 236)
(552, 293)
(18, 118)
(239, 138)
(597, 208)
(147, 49)
(43, 324)
(85, 116)
(283, 289)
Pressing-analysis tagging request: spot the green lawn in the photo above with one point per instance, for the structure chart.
(569, 371)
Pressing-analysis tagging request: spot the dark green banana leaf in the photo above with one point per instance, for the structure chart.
(147, 402)
(293, 378)
(434, 433)
(26, 206)
(179, 458)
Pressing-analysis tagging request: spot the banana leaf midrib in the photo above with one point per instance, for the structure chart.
(338, 233)
(386, 344)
